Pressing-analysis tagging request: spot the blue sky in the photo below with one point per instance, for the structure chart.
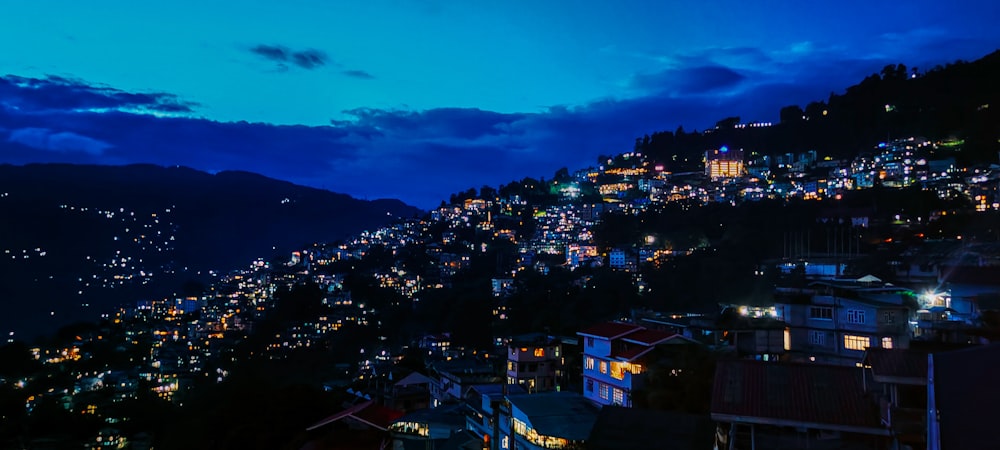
(419, 99)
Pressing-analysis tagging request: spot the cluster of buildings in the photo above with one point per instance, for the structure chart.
(835, 360)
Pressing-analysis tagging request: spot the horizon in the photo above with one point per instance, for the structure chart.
(361, 100)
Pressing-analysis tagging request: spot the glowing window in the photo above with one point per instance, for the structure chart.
(590, 363)
(887, 342)
(603, 390)
(540, 352)
(604, 367)
(856, 342)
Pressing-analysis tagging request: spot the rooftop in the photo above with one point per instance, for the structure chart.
(567, 415)
(788, 394)
(900, 366)
(610, 330)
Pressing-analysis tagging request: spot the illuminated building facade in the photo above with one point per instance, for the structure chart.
(614, 360)
(724, 163)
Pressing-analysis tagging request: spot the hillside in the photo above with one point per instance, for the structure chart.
(78, 240)
(960, 101)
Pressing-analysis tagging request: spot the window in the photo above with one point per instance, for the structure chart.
(603, 390)
(887, 342)
(618, 396)
(604, 367)
(510, 366)
(590, 342)
(590, 363)
(821, 312)
(856, 316)
(617, 370)
(856, 342)
(540, 352)
(590, 385)
(817, 337)
(888, 317)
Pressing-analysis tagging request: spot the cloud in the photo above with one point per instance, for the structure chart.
(361, 74)
(688, 80)
(419, 156)
(38, 95)
(308, 59)
(63, 141)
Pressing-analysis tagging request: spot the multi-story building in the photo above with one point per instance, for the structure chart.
(614, 359)
(836, 321)
(535, 361)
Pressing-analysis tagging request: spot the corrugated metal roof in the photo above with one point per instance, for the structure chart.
(793, 393)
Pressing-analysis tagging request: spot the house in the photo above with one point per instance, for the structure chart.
(837, 320)
(547, 420)
(535, 361)
(486, 406)
(614, 359)
(793, 405)
(427, 428)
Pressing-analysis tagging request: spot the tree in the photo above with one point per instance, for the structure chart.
(791, 114)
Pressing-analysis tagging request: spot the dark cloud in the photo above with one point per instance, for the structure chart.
(418, 156)
(272, 52)
(688, 80)
(58, 93)
(361, 74)
(307, 59)
(462, 123)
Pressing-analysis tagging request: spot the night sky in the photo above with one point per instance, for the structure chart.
(420, 99)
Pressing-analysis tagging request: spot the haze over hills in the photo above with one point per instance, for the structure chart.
(76, 241)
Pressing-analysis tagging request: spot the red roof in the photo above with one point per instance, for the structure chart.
(368, 412)
(648, 337)
(610, 330)
(632, 352)
(792, 394)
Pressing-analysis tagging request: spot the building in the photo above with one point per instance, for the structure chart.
(614, 359)
(549, 420)
(793, 405)
(724, 163)
(835, 321)
(535, 361)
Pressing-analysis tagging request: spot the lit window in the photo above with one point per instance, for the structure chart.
(887, 342)
(590, 363)
(510, 365)
(604, 367)
(603, 390)
(540, 352)
(618, 396)
(856, 342)
(856, 316)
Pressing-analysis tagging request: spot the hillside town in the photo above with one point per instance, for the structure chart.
(865, 325)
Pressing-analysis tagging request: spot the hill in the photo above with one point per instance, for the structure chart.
(76, 241)
(958, 102)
